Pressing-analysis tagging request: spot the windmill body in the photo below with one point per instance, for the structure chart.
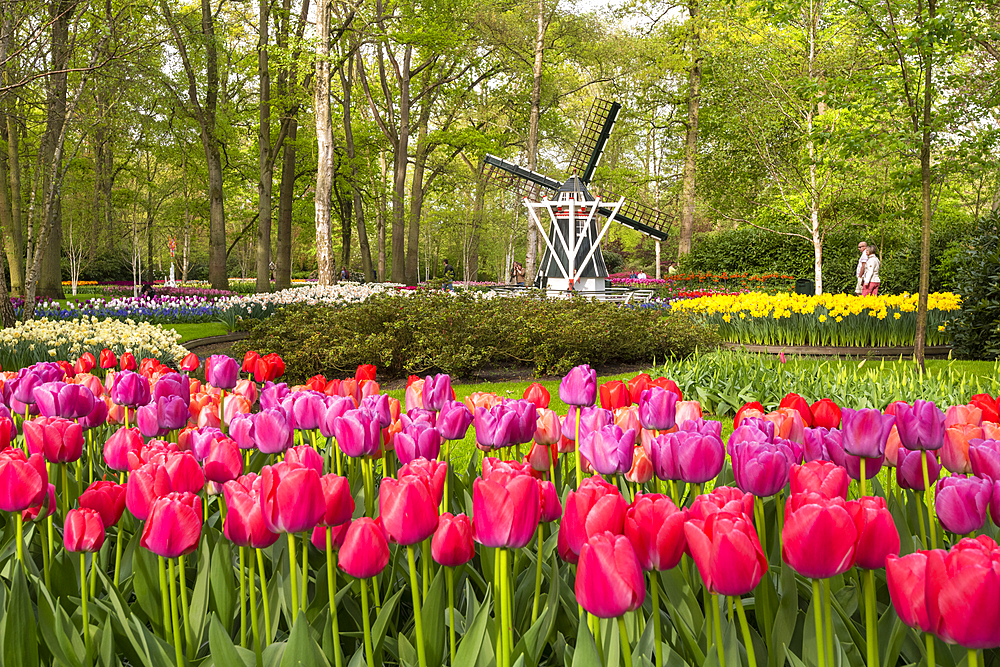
(571, 219)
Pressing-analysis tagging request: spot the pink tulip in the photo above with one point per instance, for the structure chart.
(244, 524)
(609, 580)
(687, 456)
(58, 439)
(174, 525)
(655, 527)
(579, 386)
(224, 462)
(657, 409)
(409, 512)
(291, 498)
(878, 538)
(365, 552)
(961, 502)
(507, 509)
(23, 480)
(595, 507)
(357, 433)
(727, 551)
(107, 498)
(83, 531)
(452, 543)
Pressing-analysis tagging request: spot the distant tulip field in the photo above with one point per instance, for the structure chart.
(152, 519)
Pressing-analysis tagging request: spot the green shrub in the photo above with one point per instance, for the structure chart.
(976, 329)
(459, 334)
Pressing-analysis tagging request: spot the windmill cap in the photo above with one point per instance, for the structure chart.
(574, 184)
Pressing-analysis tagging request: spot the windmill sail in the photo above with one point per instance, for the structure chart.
(596, 132)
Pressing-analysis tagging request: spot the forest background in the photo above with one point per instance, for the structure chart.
(775, 135)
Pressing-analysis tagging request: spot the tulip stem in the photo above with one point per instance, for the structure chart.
(818, 609)
(331, 577)
(930, 503)
(243, 599)
(173, 616)
(90, 453)
(538, 578)
(292, 570)
(83, 599)
(828, 618)
(253, 613)
(508, 601)
(654, 586)
(862, 480)
(222, 412)
(923, 531)
(623, 642)
(447, 474)
(450, 577)
(576, 450)
(263, 597)
(747, 637)
(20, 539)
(758, 510)
(165, 599)
(418, 621)
(929, 645)
(870, 613)
(188, 634)
(973, 658)
(718, 629)
(45, 557)
(369, 652)
(305, 571)
(65, 489)
(708, 618)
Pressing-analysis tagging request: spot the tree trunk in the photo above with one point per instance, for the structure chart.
(691, 138)
(400, 165)
(217, 274)
(283, 262)
(417, 191)
(266, 165)
(16, 211)
(324, 152)
(531, 256)
(10, 200)
(347, 83)
(920, 337)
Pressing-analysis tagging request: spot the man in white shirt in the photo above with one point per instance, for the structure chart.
(863, 249)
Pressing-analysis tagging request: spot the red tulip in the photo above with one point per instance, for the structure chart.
(291, 498)
(669, 385)
(963, 587)
(174, 525)
(85, 363)
(637, 385)
(108, 359)
(337, 499)
(58, 439)
(820, 536)
(365, 552)
(609, 580)
(452, 543)
(825, 413)
(593, 508)
(244, 523)
(655, 527)
(822, 477)
(127, 362)
(224, 462)
(23, 480)
(614, 395)
(190, 362)
(988, 405)
(907, 580)
(364, 372)
(800, 405)
(727, 551)
(83, 531)
(537, 394)
(7, 429)
(507, 509)
(878, 538)
(106, 498)
(250, 360)
(748, 410)
(44, 509)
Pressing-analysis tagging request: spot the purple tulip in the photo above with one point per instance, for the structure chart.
(271, 431)
(130, 389)
(833, 440)
(657, 408)
(145, 419)
(579, 386)
(23, 386)
(453, 421)
(357, 433)
(865, 431)
(961, 502)
(172, 412)
(703, 427)
(687, 456)
(437, 391)
(920, 426)
(814, 448)
(909, 470)
(761, 468)
(609, 450)
(763, 425)
(995, 502)
(173, 384)
(378, 405)
(203, 440)
(985, 458)
(336, 407)
(417, 440)
(69, 401)
(592, 418)
(97, 417)
(272, 395)
(412, 415)
(241, 430)
(222, 371)
(527, 418)
(494, 427)
(306, 409)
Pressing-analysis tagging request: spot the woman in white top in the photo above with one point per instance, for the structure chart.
(871, 278)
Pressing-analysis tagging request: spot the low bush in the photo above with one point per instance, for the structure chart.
(433, 331)
(975, 329)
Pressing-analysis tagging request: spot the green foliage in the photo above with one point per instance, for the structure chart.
(752, 250)
(458, 334)
(976, 329)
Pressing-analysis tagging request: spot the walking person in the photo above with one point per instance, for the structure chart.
(871, 278)
(449, 276)
(863, 249)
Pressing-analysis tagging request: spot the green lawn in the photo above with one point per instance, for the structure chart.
(192, 331)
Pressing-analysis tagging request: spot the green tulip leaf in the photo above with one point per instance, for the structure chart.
(301, 650)
(199, 596)
(474, 649)
(223, 581)
(146, 584)
(407, 654)
(585, 654)
(224, 652)
(435, 611)
(106, 652)
(384, 616)
(47, 612)
(20, 647)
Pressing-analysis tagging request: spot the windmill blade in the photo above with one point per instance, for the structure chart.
(637, 216)
(596, 131)
(524, 182)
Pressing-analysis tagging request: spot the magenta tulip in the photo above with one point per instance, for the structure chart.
(174, 525)
(609, 580)
(437, 391)
(579, 386)
(452, 543)
(657, 409)
(365, 552)
(865, 431)
(83, 531)
(961, 502)
(655, 527)
(357, 433)
(495, 427)
(920, 426)
(609, 450)
(130, 389)
(984, 456)
(69, 401)
(291, 498)
(272, 431)
(687, 456)
(761, 468)
(222, 371)
(453, 420)
(418, 440)
(910, 472)
(506, 510)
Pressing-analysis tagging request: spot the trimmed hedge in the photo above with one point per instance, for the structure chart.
(458, 334)
(975, 331)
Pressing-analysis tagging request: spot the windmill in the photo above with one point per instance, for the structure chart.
(573, 258)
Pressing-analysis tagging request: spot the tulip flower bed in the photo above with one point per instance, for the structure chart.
(159, 521)
(826, 320)
(157, 309)
(722, 283)
(46, 340)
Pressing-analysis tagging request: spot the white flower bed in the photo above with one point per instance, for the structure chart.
(314, 295)
(50, 340)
